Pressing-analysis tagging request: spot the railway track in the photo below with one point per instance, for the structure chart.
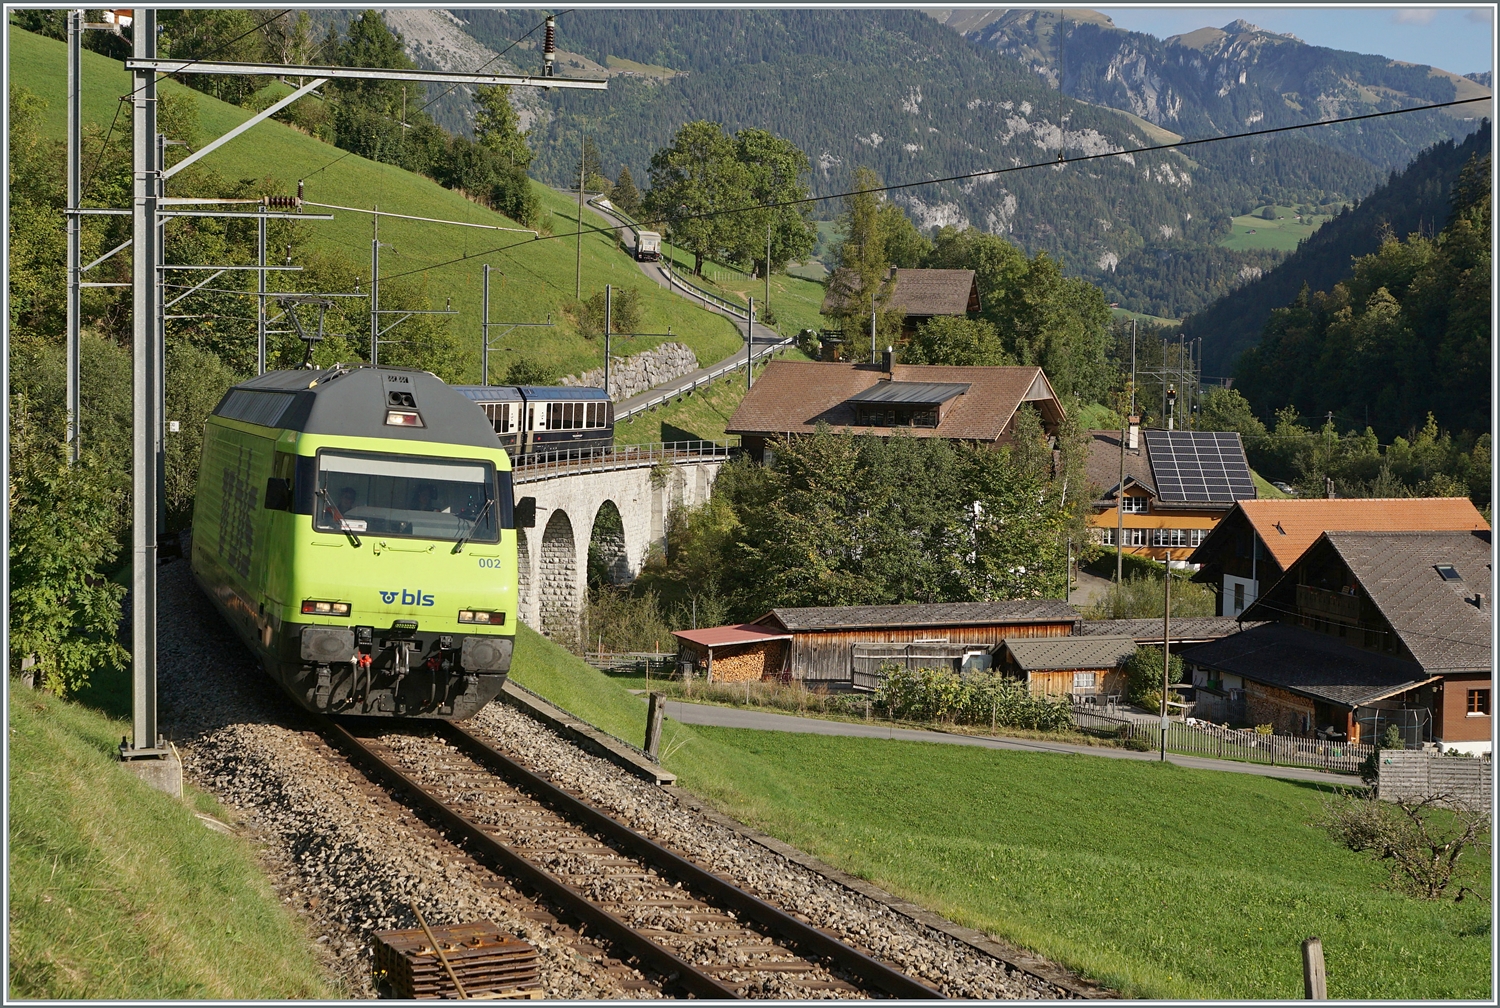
(702, 935)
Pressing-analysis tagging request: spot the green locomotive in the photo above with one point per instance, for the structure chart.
(356, 527)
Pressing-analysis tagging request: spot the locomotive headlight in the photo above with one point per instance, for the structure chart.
(315, 607)
(479, 616)
(403, 418)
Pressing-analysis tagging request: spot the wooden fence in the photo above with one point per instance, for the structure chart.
(1199, 739)
(651, 664)
(1407, 774)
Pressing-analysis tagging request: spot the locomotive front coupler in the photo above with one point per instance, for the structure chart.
(401, 638)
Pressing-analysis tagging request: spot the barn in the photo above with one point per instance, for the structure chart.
(844, 646)
(1067, 666)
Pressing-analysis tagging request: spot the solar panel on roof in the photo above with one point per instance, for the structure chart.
(1199, 466)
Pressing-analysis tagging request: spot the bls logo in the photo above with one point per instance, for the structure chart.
(408, 598)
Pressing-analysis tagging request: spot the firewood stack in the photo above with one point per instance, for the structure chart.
(487, 962)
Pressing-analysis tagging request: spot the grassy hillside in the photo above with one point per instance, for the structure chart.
(1252, 232)
(119, 891)
(1161, 881)
(538, 276)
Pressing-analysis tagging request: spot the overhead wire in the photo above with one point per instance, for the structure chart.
(967, 175)
(440, 97)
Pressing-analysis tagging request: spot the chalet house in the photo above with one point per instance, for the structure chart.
(833, 645)
(975, 404)
(1178, 485)
(742, 653)
(1068, 666)
(1259, 540)
(1371, 629)
(919, 294)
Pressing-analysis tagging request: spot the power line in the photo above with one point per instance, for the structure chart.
(967, 175)
(450, 90)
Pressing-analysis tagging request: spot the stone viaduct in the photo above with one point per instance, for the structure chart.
(621, 511)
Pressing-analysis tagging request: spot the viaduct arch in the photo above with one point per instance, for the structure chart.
(621, 513)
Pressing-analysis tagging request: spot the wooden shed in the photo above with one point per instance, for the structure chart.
(1063, 666)
(824, 639)
(739, 653)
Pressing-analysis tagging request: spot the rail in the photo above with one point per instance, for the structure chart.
(806, 939)
(623, 413)
(551, 465)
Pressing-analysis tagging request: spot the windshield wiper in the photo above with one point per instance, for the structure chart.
(339, 517)
(458, 547)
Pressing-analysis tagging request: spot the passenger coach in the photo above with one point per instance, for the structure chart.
(546, 420)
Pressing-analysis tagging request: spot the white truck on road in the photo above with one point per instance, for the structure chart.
(647, 246)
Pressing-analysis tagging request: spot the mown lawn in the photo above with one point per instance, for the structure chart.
(1159, 881)
(1253, 233)
(118, 892)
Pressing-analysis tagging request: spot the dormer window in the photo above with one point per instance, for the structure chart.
(1447, 572)
(1135, 505)
(905, 404)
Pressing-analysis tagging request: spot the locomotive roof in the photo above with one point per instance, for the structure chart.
(352, 402)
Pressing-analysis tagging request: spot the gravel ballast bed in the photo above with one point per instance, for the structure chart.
(349, 859)
(953, 967)
(338, 851)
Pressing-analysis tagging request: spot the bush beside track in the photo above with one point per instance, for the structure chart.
(118, 891)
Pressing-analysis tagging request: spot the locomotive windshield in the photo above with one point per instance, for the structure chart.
(411, 496)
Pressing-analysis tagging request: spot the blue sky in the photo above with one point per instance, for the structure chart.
(1456, 39)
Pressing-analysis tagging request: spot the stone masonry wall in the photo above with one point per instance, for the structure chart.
(630, 376)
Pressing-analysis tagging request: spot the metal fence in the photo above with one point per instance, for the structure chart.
(580, 460)
(1199, 739)
(623, 413)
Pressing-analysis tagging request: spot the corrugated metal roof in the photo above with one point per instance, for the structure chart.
(1313, 664)
(1041, 654)
(914, 393)
(725, 636)
(937, 614)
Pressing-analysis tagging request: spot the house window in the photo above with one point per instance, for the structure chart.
(1083, 681)
(1106, 536)
(1447, 572)
(1196, 536)
(1169, 537)
(1135, 505)
(1479, 701)
(1239, 598)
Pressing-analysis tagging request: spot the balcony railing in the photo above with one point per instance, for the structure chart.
(1330, 605)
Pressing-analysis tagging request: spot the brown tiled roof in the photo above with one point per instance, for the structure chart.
(1313, 664)
(795, 396)
(1147, 631)
(1288, 527)
(1103, 465)
(937, 614)
(1434, 618)
(917, 291)
(1040, 654)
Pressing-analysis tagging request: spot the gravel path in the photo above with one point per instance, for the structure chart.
(348, 858)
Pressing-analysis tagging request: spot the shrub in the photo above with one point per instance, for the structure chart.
(1422, 842)
(944, 695)
(1143, 670)
(624, 312)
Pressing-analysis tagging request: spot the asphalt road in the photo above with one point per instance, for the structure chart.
(733, 717)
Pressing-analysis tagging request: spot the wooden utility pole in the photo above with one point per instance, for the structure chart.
(608, 293)
(768, 263)
(1166, 653)
(657, 705)
(578, 255)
